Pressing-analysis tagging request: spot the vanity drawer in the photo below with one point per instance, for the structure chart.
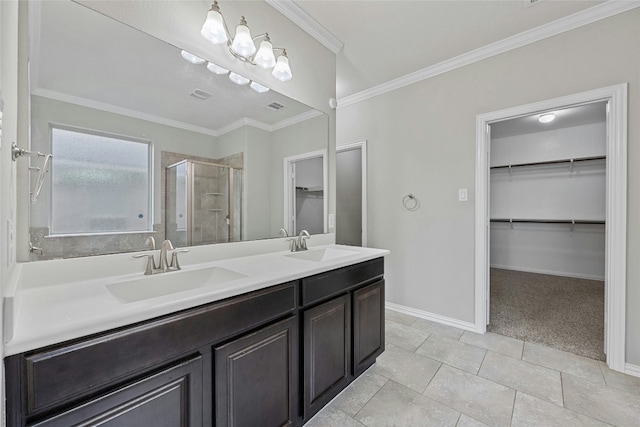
(65, 373)
(324, 285)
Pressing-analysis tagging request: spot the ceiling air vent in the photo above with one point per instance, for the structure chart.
(200, 94)
(274, 106)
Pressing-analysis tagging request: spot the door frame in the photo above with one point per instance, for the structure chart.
(362, 146)
(616, 209)
(289, 186)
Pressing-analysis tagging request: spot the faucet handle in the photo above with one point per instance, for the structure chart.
(175, 265)
(151, 263)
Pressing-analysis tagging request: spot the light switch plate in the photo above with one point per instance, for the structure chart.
(332, 220)
(462, 194)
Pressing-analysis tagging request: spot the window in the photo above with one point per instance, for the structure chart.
(100, 183)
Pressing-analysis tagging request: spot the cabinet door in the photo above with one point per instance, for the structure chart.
(327, 352)
(171, 398)
(255, 378)
(368, 326)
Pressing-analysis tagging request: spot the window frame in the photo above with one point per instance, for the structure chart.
(113, 135)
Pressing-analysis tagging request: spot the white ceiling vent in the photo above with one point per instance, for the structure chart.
(532, 2)
(274, 106)
(200, 94)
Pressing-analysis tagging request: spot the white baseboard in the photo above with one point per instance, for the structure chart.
(549, 272)
(632, 370)
(468, 326)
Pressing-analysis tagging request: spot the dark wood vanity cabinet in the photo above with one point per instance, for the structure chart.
(327, 352)
(256, 378)
(272, 357)
(172, 397)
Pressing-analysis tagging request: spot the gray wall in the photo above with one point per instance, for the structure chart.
(421, 139)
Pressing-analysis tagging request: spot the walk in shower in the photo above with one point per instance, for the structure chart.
(203, 203)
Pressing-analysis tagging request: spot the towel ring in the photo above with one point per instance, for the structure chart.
(411, 202)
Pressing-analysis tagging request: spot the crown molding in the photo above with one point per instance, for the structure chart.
(585, 17)
(71, 99)
(269, 128)
(296, 119)
(303, 20)
(245, 121)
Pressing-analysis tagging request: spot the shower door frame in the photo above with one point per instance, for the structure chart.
(190, 197)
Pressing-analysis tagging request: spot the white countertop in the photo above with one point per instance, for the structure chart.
(40, 315)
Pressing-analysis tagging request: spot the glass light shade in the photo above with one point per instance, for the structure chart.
(213, 28)
(546, 118)
(242, 43)
(282, 71)
(238, 79)
(216, 69)
(265, 57)
(190, 57)
(259, 88)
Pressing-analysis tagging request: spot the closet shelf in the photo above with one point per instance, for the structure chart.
(548, 221)
(550, 162)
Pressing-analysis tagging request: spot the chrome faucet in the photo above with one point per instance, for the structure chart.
(150, 243)
(164, 266)
(283, 231)
(300, 243)
(164, 261)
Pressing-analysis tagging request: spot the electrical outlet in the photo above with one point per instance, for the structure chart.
(462, 194)
(332, 220)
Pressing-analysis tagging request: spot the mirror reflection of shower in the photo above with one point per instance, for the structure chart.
(203, 203)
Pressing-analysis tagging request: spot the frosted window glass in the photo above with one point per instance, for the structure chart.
(100, 184)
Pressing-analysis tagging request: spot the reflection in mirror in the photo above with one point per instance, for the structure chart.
(146, 144)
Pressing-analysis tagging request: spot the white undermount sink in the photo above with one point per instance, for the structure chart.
(325, 254)
(157, 285)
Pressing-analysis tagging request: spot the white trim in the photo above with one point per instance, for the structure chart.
(616, 216)
(559, 26)
(549, 272)
(302, 19)
(295, 119)
(362, 146)
(103, 106)
(288, 188)
(467, 326)
(633, 370)
(110, 108)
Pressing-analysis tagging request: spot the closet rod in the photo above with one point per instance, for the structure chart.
(548, 221)
(550, 162)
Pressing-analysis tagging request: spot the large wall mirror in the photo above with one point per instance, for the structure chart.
(145, 143)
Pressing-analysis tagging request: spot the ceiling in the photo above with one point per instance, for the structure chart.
(385, 40)
(568, 117)
(81, 56)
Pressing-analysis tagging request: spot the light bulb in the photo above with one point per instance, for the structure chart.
(213, 27)
(216, 69)
(242, 42)
(190, 57)
(259, 88)
(265, 57)
(238, 79)
(282, 71)
(546, 118)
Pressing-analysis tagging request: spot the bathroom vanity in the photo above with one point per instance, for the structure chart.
(270, 356)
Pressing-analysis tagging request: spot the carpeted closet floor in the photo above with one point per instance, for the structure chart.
(560, 312)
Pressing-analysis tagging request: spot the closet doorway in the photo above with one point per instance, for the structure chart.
(537, 211)
(351, 194)
(547, 228)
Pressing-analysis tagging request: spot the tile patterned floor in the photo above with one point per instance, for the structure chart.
(437, 375)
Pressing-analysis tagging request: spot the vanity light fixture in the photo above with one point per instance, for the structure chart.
(238, 79)
(258, 87)
(216, 69)
(190, 57)
(242, 45)
(546, 118)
